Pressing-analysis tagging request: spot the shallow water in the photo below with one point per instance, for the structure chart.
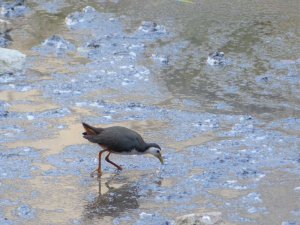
(230, 134)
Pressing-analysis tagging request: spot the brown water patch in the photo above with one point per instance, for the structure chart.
(33, 107)
(59, 198)
(83, 111)
(196, 171)
(43, 166)
(278, 194)
(228, 193)
(72, 135)
(52, 65)
(288, 131)
(32, 95)
(38, 102)
(198, 140)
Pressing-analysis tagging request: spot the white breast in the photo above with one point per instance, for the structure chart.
(132, 152)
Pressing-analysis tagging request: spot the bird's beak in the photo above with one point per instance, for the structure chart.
(160, 158)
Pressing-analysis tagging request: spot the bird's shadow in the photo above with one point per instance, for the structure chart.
(116, 195)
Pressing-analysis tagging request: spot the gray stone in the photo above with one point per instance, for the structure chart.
(209, 218)
(4, 25)
(151, 27)
(25, 212)
(55, 41)
(86, 15)
(289, 223)
(5, 38)
(216, 58)
(11, 61)
(14, 9)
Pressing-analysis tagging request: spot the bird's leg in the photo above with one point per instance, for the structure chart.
(99, 165)
(107, 160)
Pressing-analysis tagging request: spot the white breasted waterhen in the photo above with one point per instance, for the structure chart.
(119, 140)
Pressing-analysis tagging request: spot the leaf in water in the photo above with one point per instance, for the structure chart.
(186, 1)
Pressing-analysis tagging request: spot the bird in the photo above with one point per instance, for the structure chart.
(119, 140)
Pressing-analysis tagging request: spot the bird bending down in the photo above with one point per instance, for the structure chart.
(119, 140)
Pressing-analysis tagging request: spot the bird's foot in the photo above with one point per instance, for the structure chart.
(119, 168)
(99, 173)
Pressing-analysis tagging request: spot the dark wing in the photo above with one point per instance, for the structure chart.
(118, 139)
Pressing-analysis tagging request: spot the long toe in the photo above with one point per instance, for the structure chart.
(118, 167)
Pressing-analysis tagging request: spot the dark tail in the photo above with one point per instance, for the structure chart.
(89, 130)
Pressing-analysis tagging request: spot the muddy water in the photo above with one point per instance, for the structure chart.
(230, 133)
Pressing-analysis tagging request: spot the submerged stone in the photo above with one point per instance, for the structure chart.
(289, 223)
(216, 58)
(5, 38)
(11, 61)
(58, 42)
(209, 218)
(25, 212)
(86, 15)
(162, 59)
(55, 44)
(14, 9)
(3, 113)
(152, 27)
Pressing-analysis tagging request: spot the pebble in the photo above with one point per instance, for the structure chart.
(161, 59)
(87, 15)
(25, 211)
(216, 58)
(289, 223)
(14, 9)
(30, 117)
(5, 38)
(58, 42)
(145, 215)
(11, 61)
(152, 27)
(297, 189)
(209, 218)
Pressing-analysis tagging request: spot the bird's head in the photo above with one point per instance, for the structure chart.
(155, 150)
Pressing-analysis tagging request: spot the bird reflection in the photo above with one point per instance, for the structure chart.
(115, 201)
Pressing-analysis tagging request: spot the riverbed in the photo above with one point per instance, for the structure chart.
(230, 133)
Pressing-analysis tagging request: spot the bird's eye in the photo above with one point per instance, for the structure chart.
(157, 151)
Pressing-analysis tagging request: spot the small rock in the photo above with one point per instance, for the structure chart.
(297, 189)
(11, 61)
(88, 9)
(4, 113)
(14, 9)
(209, 218)
(135, 105)
(30, 117)
(5, 38)
(87, 14)
(289, 223)
(145, 215)
(94, 44)
(25, 211)
(265, 79)
(160, 58)
(4, 25)
(252, 210)
(151, 27)
(216, 58)
(58, 42)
